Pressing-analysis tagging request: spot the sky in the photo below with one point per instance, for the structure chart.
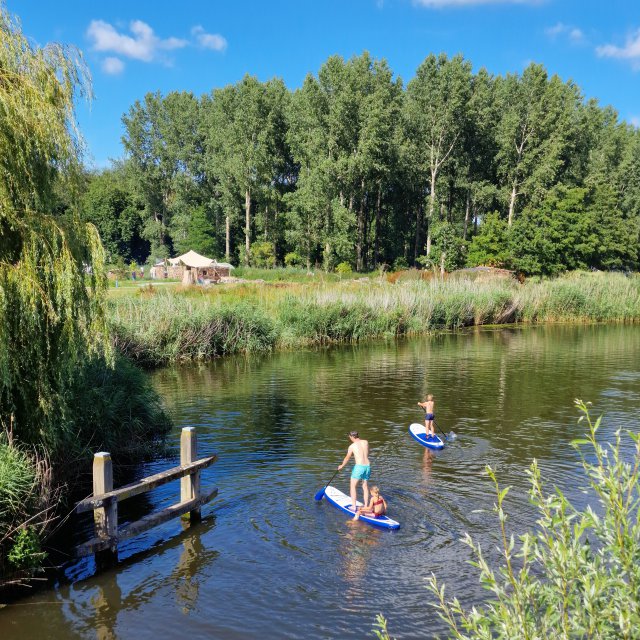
(133, 47)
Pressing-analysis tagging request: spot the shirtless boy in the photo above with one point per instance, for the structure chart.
(359, 449)
(429, 407)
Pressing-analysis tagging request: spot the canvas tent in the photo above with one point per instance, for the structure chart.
(191, 268)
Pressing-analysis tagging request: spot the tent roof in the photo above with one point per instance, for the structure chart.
(192, 259)
(195, 261)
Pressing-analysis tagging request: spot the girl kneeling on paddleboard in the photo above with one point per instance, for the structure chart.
(377, 506)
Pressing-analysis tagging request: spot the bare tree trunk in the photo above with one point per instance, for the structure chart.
(376, 242)
(361, 233)
(512, 203)
(247, 225)
(442, 259)
(467, 211)
(432, 207)
(416, 249)
(266, 223)
(227, 239)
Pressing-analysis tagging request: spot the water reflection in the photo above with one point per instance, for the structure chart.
(427, 465)
(276, 560)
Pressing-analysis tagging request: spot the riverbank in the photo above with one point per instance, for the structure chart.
(110, 406)
(158, 327)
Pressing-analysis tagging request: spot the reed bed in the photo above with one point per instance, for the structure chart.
(195, 324)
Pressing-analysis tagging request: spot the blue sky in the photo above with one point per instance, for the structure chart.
(136, 46)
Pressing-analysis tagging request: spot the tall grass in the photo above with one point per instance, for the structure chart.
(196, 324)
(26, 500)
(167, 327)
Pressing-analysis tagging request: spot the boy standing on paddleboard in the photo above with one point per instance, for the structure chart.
(429, 407)
(359, 449)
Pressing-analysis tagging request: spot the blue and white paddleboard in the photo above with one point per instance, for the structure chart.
(418, 432)
(343, 502)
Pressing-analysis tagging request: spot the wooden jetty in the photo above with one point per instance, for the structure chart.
(104, 502)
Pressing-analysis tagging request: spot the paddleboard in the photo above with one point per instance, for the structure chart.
(418, 432)
(343, 502)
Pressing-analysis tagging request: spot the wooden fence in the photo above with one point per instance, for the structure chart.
(104, 502)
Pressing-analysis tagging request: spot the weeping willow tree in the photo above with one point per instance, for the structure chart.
(52, 279)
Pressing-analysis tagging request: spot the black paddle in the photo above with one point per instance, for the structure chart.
(449, 436)
(440, 432)
(320, 493)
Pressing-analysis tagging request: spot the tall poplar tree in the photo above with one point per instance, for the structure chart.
(436, 112)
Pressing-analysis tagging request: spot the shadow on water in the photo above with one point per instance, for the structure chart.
(269, 560)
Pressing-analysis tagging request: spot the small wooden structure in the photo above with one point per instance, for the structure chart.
(191, 268)
(104, 502)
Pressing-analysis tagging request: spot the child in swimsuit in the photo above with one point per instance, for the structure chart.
(429, 407)
(377, 506)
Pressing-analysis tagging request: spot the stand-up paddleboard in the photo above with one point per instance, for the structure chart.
(343, 502)
(419, 432)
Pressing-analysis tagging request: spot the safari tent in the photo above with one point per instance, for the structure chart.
(191, 268)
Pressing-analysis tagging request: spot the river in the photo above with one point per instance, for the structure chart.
(269, 561)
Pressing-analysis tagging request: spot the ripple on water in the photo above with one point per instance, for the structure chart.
(268, 560)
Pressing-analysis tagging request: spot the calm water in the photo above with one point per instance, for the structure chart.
(268, 561)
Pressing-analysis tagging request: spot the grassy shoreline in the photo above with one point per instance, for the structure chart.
(158, 327)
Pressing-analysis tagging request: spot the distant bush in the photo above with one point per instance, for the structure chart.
(263, 255)
(293, 259)
(344, 269)
(400, 264)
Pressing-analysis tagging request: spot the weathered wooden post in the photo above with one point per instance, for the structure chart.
(190, 485)
(105, 518)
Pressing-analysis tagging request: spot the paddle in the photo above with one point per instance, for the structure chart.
(320, 493)
(450, 436)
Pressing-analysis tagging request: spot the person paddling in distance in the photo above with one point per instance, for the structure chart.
(377, 506)
(429, 406)
(361, 471)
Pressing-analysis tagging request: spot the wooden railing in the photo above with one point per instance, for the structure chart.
(104, 502)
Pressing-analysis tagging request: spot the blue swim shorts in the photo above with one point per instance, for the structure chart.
(429, 416)
(361, 472)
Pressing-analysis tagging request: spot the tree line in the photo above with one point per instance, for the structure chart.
(454, 168)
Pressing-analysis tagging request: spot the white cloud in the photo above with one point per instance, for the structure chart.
(440, 4)
(635, 121)
(630, 51)
(560, 29)
(144, 45)
(209, 40)
(112, 66)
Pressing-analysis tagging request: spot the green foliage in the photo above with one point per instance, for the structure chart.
(26, 552)
(352, 168)
(167, 328)
(200, 234)
(112, 408)
(51, 269)
(400, 264)
(344, 269)
(293, 259)
(24, 496)
(572, 229)
(577, 574)
(199, 325)
(448, 249)
(490, 247)
(263, 255)
(111, 205)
